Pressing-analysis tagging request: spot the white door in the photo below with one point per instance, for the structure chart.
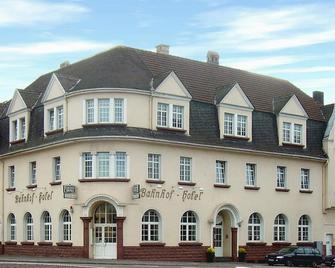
(218, 237)
(329, 244)
(105, 232)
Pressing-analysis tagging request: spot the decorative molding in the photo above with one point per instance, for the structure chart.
(104, 180)
(185, 183)
(219, 185)
(255, 188)
(155, 181)
(53, 183)
(282, 190)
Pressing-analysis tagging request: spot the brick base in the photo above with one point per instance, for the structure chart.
(1, 249)
(167, 253)
(44, 251)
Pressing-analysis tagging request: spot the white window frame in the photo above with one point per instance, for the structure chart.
(104, 111)
(47, 226)
(12, 234)
(66, 223)
(175, 116)
(279, 228)
(304, 229)
(281, 181)
(297, 134)
(250, 174)
(220, 172)
(57, 168)
(287, 132)
(51, 119)
(121, 161)
(186, 226)
(59, 117)
(29, 227)
(255, 228)
(235, 125)
(154, 166)
(33, 173)
(162, 114)
(151, 226)
(87, 158)
(22, 127)
(11, 176)
(185, 166)
(103, 165)
(229, 124)
(18, 129)
(292, 133)
(305, 180)
(241, 125)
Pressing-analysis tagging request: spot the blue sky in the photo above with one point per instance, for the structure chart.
(294, 40)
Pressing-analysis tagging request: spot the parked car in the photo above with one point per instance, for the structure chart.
(330, 260)
(291, 256)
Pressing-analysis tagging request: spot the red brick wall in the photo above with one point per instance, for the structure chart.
(44, 251)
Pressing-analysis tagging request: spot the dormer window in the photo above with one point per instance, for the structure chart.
(18, 129)
(162, 114)
(292, 133)
(235, 125)
(177, 116)
(170, 116)
(55, 118)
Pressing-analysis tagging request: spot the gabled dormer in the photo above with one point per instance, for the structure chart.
(234, 112)
(171, 103)
(19, 115)
(291, 121)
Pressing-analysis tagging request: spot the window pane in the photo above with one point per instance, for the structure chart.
(121, 164)
(119, 110)
(162, 114)
(57, 168)
(228, 124)
(241, 125)
(305, 181)
(154, 166)
(185, 168)
(60, 116)
(281, 177)
(250, 174)
(286, 132)
(104, 109)
(177, 116)
(103, 164)
(51, 119)
(90, 111)
(220, 171)
(88, 165)
(297, 133)
(33, 172)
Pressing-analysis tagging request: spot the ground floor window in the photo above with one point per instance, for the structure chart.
(67, 225)
(279, 228)
(254, 227)
(150, 226)
(29, 231)
(303, 228)
(12, 227)
(188, 226)
(47, 226)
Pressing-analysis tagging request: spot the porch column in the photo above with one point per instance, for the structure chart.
(86, 236)
(119, 237)
(234, 244)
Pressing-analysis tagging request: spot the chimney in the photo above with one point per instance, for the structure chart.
(213, 57)
(318, 97)
(64, 64)
(162, 49)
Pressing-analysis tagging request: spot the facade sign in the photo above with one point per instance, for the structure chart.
(182, 195)
(31, 197)
(136, 191)
(69, 191)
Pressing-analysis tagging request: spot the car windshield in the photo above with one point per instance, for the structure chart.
(286, 250)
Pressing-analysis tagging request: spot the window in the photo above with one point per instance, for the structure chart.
(51, 116)
(121, 164)
(103, 164)
(281, 177)
(60, 117)
(250, 174)
(47, 226)
(286, 132)
(185, 168)
(297, 133)
(67, 226)
(103, 110)
(162, 115)
(241, 125)
(33, 172)
(303, 228)
(57, 169)
(305, 181)
(12, 227)
(29, 234)
(88, 165)
(154, 164)
(279, 228)
(15, 130)
(220, 171)
(150, 226)
(254, 227)
(89, 111)
(188, 227)
(11, 176)
(177, 116)
(228, 124)
(23, 128)
(119, 110)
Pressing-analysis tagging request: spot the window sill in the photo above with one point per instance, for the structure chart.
(284, 244)
(305, 191)
(155, 181)
(186, 183)
(104, 180)
(17, 141)
(285, 190)
(27, 243)
(172, 129)
(53, 132)
(10, 243)
(256, 244)
(64, 244)
(152, 244)
(189, 244)
(105, 124)
(288, 144)
(218, 185)
(31, 186)
(233, 137)
(11, 189)
(44, 243)
(254, 188)
(53, 183)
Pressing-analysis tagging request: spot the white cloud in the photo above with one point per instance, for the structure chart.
(31, 12)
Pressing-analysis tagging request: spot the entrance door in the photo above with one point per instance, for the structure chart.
(329, 244)
(218, 237)
(105, 232)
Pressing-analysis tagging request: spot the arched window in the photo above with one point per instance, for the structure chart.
(150, 226)
(12, 227)
(47, 226)
(66, 226)
(304, 228)
(29, 227)
(280, 228)
(255, 227)
(188, 227)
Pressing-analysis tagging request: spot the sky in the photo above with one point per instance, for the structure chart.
(289, 39)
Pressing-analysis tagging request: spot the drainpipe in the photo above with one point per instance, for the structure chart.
(3, 201)
(151, 103)
(324, 186)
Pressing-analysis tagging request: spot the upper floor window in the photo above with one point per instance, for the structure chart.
(18, 129)
(103, 164)
(188, 227)
(11, 176)
(12, 227)
(235, 124)
(281, 177)
(88, 165)
(254, 227)
(121, 164)
(55, 118)
(220, 172)
(105, 111)
(169, 115)
(33, 173)
(150, 226)
(22, 124)
(279, 228)
(305, 181)
(185, 168)
(292, 133)
(57, 168)
(154, 163)
(250, 174)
